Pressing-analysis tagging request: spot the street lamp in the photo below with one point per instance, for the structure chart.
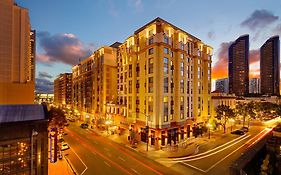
(209, 127)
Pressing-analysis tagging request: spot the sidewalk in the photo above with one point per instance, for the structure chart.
(186, 148)
(60, 167)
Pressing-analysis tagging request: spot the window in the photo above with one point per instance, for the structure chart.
(130, 86)
(166, 50)
(166, 109)
(181, 46)
(150, 65)
(150, 41)
(172, 67)
(181, 107)
(182, 69)
(166, 65)
(166, 39)
(138, 70)
(137, 86)
(172, 108)
(130, 71)
(181, 86)
(150, 104)
(150, 85)
(150, 32)
(181, 55)
(150, 51)
(166, 85)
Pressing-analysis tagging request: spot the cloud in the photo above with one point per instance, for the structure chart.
(138, 5)
(220, 68)
(211, 35)
(277, 29)
(65, 48)
(43, 85)
(45, 75)
(254, 56)
(259, 19)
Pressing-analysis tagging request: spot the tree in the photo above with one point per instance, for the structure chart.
(56, 118)
(224, 113)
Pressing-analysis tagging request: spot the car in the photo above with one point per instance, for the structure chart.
(66, 124)
(61, 140)
(71, 119)
(238, 132)
(84, 125)
(244, 129)
(64, 146)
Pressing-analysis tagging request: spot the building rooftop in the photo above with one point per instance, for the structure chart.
(158, 19)
(20, 113)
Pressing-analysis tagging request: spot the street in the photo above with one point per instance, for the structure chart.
(217, 160)
(90, 154)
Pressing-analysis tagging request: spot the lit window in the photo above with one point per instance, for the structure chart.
(166, 50)
(150, 51)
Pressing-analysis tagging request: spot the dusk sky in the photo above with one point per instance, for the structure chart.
(69, 30)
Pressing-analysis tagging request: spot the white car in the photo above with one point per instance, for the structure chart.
(64, 146)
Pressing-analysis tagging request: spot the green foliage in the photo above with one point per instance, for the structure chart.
(224, 113)
(56, 118)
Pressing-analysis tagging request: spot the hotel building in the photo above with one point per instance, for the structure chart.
(164, 81)
(95, 83)
(17, 53)
(238, 66)
(63, 90)
(269, 64)
(254, 86)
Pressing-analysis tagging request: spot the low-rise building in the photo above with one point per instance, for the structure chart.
(23, 139)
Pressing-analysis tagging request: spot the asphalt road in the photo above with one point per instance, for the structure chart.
(217, 160)
(91, 154)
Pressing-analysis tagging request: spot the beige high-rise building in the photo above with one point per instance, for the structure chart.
(164, 81)
(95, 83)
(17, 55)
(63, 90)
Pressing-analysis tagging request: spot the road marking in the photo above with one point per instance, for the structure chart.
(81, 161)
(205, 171)
(107, 163)
(134, 171)
(94, 153)
(208, 155)
(194, 167)
(121, 158)
(197, 155)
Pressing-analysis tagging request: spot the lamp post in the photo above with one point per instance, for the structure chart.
(209, 127)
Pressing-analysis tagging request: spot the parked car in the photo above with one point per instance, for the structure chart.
(61, 140)
(66, 124)
(71, 119)
(238, 132)
(244, 129)
(84, 125)
(64, 146)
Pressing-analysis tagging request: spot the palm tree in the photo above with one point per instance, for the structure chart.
(224, 113)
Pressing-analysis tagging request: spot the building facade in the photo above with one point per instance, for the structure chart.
(63, 90)
(238, 66)
(270, 68)
(164, 82)
(17, 53)
(23, 139)
(222, 85)
(95, 83)
(254, 86)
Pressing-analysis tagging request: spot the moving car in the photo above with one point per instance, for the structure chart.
(238, 132)
(64, 146)
(84, 125)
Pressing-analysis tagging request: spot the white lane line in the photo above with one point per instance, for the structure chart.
(135, 171)
(208, 155)
(107, 163)
(194, 167)
(182, 158)
(121, 158)
(81, 161)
